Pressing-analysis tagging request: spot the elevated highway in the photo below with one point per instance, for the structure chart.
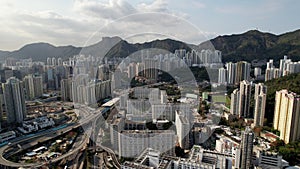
(86, 122)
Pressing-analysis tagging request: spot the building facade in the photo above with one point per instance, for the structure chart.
(260, 96)
(182, 130)
(246, 149)
(33, 86)
(134, 142)
(234, 105)
(287, 115)
(14, 100)
(244, 100)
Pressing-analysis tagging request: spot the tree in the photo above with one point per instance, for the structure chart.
(276, 144)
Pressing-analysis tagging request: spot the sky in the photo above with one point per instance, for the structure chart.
(84, 22)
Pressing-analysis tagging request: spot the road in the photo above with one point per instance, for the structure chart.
(89, 116)
(115, 160)
(95, 131)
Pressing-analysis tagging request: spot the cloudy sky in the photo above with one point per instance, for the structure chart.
(83, 22)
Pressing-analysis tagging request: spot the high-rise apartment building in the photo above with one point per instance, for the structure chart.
(257, 72)
(86, 91)
(286, 67)
(260, 96)
(59, 62)
(244, 100)
(182, 130)
(231, 69)
(151, 69)
(283, 64)
(242, 71)
(272, 73)
(66, 89)
(287, 115)
(116, 126)
(246, 149)
(259, 109)
(222, 76)
(259, 88)
(234, 105)
(132, 72)
(33, 86)
(270, 64)
(103, 72)
(237, 72)
(134, 142)
(14, 100)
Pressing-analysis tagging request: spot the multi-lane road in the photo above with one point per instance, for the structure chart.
(34, 139)
(95, 131)
(88, 120)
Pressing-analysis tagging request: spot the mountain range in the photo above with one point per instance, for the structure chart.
(257, 45)
(246, 46)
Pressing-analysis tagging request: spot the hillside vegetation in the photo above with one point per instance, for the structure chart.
(290, 82)
(258, 45)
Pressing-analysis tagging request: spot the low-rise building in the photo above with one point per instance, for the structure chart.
(198, 159)
(268, 160)
(36, 124)
(7, 136)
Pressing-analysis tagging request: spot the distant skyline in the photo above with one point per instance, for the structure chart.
(73, 22)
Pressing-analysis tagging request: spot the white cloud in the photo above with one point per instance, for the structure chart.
(113, 9)
(138, 23)
(142, 27)
(143, 22)
(155, 6)
(25, 27)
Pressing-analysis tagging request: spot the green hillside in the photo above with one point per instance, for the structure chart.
(258, 45)
(124, 49)
(291, 82)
